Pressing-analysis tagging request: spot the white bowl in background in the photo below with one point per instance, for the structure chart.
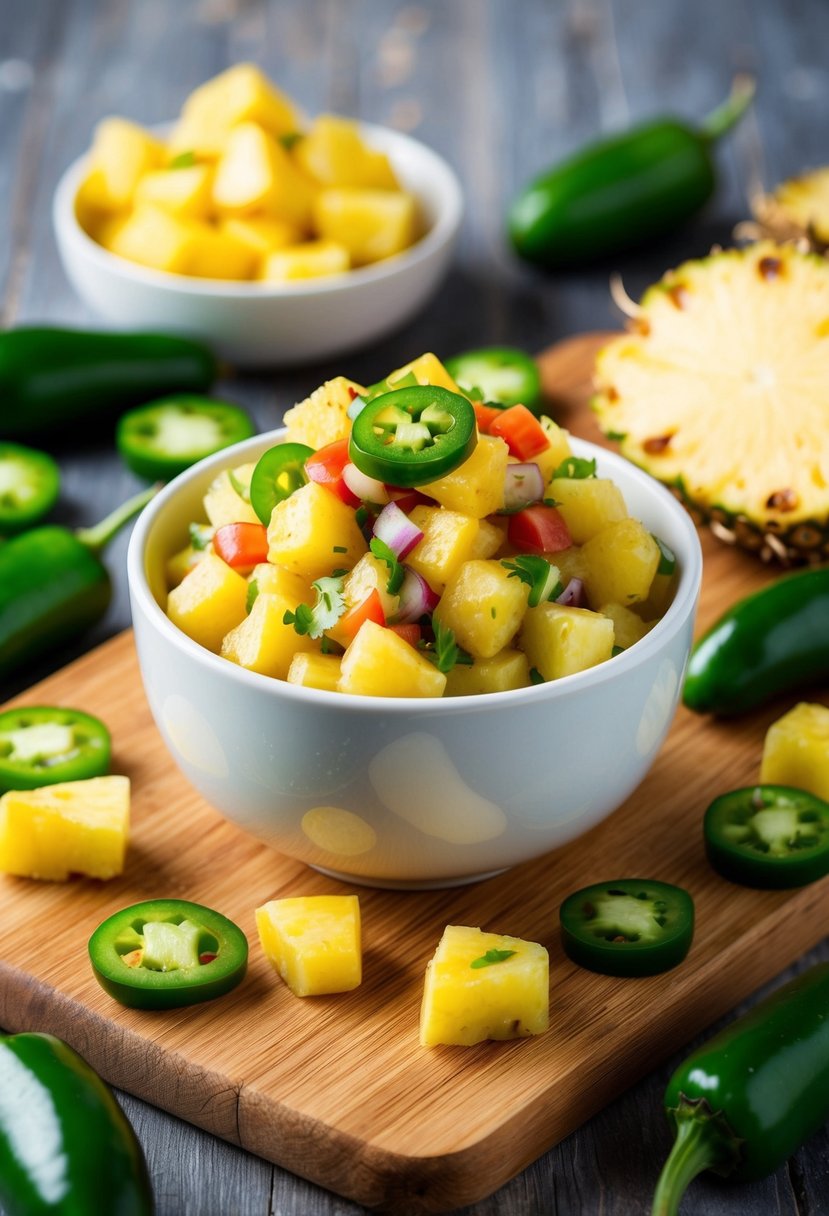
(403, 792)
(266, 324)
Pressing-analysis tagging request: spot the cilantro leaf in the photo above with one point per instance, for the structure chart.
(327, 610)
(396, 571)
(667, 557)
(200, 536)
(445, 652)
(492, 956)
(576, 468)
(253, 592)
(540, 576)
(536, 677)
(184, 160)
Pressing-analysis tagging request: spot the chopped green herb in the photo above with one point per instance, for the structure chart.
(667, 557)
(361, 516)
(540, 576)
(184, 160)
(339, 549)
(492, 956)
(329, 607)
(289, 138)
(576, 468)
(616, 650)
(241, 489)
(551, 502)
(253, 591)
(616, 436)
(444, 652)
(493, 612)
(200, 536)
(536, 677)
(396, 571)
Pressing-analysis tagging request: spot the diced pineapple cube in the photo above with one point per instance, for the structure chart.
(322, 418)
(242, 93)
(261, 233)
(426, 369)
(255, 174)
(491, 536)
(587, 504)
(379, 663)
(209, 602)
(796, 750)
(484, 986)
(93, 208)
(551, 457)
(449, 539)
(315, 671)
(217, 254)
(184, 192)
(313, 532)
(370, 574)
(309, 260)
(313, 941)
(504, 671)
(484, 606)
(628, 627)
(226, 500)
(370, 224)
(263, 642)
(622, 560)
(475, 487)
(276, 580)
(571, 563)
(333, 152)
(559, 640)
(152, 237)
(122, 152)
(181, 563)
(73, 827)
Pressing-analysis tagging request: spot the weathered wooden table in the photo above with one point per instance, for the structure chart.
(502, 89)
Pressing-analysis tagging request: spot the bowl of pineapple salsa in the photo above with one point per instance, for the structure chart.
(275, 238)
(411, 639)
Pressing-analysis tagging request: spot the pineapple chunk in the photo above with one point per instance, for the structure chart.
(322, 418)
(276, 580)
(217, 254)
(312, 533)
(262, 641)
(226, 500)
(370, 224)
(475, 487)
(261, 233)
(370, 574)
(491, 536)
(504, 671)
(209, 602)
(315, 671)
(628, 627)
(181, 563)
(184, 192)
(313, 941)
(796, 750)
(379, 663)
(242, 93)
(465, 1003)
(587, 504)
(309, 260)
(559, 447)
(449, 540)
(484, 606)
(333, 152)
(73, 827)
(426, 369)
(152, 237)
(559, 641)
(122, 152)
(256, 174)
(622, 560)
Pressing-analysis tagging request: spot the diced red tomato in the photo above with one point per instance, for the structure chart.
(539, 529)
(523, 433)
(409, 633)
(486, 415)
(326, 468)
(369, 609)
(242, 546)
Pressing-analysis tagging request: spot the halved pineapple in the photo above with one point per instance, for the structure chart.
(797, 209)
(719, 390)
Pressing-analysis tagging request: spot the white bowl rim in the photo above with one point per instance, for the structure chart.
(438, 235)
(682, 605)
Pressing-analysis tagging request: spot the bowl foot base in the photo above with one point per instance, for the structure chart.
(408, 884)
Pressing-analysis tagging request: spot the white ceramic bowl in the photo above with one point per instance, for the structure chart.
(269, 324)
(409, 793)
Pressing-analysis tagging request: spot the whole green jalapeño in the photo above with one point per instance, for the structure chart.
(165, 953)
(768, 836)
(413, 435)
(628, 927)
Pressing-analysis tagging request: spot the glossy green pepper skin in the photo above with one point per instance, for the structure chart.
(744, 1102)
(771, 642)
(622, 191)
(66, 1147)
(53, 380)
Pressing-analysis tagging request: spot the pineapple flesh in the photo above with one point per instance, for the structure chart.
(797, 209)
(719, 391)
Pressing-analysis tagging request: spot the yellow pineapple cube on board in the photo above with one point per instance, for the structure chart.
(796, 750)
(313, 942)
(184, 192)
(370, 224)
(313, 532)
(309, 260)
(261, 233)
(73, 827)
(559, 640)
(483, 605)
(263, 642)
(333, 153)
(122, 152)
(587, 504)
(379, 663)
(255, 174)
(226, 500)
(209, 602)
(241, 93)
(152, 237)
(622, 560)
(426, 369)
(506, 670)
(484, 986)
(322, 418)
(475, 487)
(449, 540)
(315, 671)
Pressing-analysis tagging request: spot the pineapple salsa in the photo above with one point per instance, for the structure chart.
(408, 540)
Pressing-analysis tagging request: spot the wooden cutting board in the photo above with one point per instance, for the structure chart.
(337, 1089)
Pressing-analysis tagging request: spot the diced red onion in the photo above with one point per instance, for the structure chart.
(416, 598)
(523, 485)
(395, 528)
(367, 489)
(573, 594)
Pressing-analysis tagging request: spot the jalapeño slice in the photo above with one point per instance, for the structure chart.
(503, 374)
(278, 472)
(159, 440)
(768, 836)
(29, 486)
(414, 435)
(45, 744)
(631, 926)
(165, 953)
